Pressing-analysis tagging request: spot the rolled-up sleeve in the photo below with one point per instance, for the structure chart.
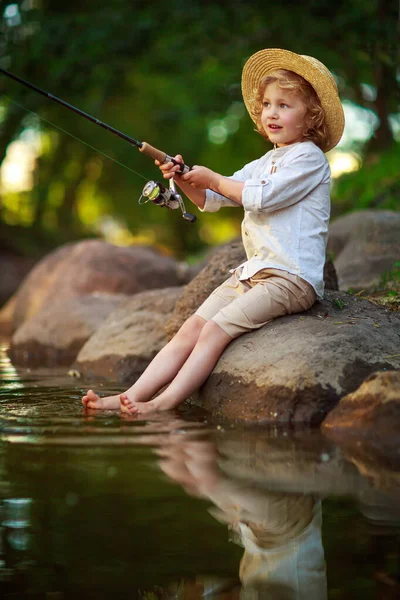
(215, 201)
(288, 185)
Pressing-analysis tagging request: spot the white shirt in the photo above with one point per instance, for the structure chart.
(297, 567)
(286, 198)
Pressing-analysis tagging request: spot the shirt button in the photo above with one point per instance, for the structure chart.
(263, 181)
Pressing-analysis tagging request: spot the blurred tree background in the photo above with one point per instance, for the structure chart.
(169, 73)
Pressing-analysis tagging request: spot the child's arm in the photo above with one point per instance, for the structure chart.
(195, 183)
(201, 177)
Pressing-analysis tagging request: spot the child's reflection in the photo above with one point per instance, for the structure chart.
(281, 533)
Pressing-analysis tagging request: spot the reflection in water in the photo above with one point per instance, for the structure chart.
(110, 512)
(9, 375)
(15, 540)
(281, 533)
(106, 522)
(16, 513)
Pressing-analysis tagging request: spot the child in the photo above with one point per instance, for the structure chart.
(294, 102)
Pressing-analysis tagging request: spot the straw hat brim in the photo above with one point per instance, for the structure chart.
(312, 70)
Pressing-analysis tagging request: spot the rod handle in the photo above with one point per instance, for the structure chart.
(149, 150)
(161, 156)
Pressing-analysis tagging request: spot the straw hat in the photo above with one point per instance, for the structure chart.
(311, 69)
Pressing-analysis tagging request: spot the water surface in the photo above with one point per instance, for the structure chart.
(95, 505)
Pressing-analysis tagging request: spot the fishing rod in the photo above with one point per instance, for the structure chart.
(153, 191)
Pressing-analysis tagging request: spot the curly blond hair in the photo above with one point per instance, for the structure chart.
(315, 127)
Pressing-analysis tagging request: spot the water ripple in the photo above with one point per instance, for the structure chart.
(43, 407)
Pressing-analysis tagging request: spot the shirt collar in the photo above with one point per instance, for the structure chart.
(283, 149)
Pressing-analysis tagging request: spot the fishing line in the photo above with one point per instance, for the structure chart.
(157, 193)
(75, 137)
(153, 191)
(143, 147)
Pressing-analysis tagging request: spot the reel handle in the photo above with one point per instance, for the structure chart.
(189, 217)
(161, 156)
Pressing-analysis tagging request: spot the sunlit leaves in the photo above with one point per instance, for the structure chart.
(167, 73)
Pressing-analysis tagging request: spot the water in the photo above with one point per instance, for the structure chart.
(99, 506)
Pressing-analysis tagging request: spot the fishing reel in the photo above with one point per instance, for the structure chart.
(155, 192)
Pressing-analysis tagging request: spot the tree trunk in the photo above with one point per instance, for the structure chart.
(385, 77)
(66, 213)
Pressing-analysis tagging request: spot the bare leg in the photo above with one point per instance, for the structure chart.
(209, 347)
(160, 371)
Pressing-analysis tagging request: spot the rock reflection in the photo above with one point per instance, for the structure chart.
(280, 532)
(15, 540)
(106, 523)
(17, 513)
(377, 459)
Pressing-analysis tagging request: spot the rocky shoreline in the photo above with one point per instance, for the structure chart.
(105, 311)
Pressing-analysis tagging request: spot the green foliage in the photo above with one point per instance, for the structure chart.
(387, 292)
(392, 277)
(164, 73)
(375, 185)
(338, 303)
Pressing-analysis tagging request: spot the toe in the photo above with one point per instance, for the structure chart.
(128, 407)
(124, 399)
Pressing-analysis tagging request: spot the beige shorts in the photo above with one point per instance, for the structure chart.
(241, 306)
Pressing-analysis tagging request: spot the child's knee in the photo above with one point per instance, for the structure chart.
(191, 328)
(212, 332)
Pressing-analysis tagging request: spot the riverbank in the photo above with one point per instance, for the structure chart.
(104, 312)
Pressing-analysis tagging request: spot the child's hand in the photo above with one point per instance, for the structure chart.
(168, 169)
(201, 177)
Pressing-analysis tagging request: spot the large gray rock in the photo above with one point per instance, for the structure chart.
(365, 245)
(56, 333)
(296, 368)
(130, 338)
(89, 267)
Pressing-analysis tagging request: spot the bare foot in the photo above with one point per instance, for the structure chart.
(92, 400)
(139, 408)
